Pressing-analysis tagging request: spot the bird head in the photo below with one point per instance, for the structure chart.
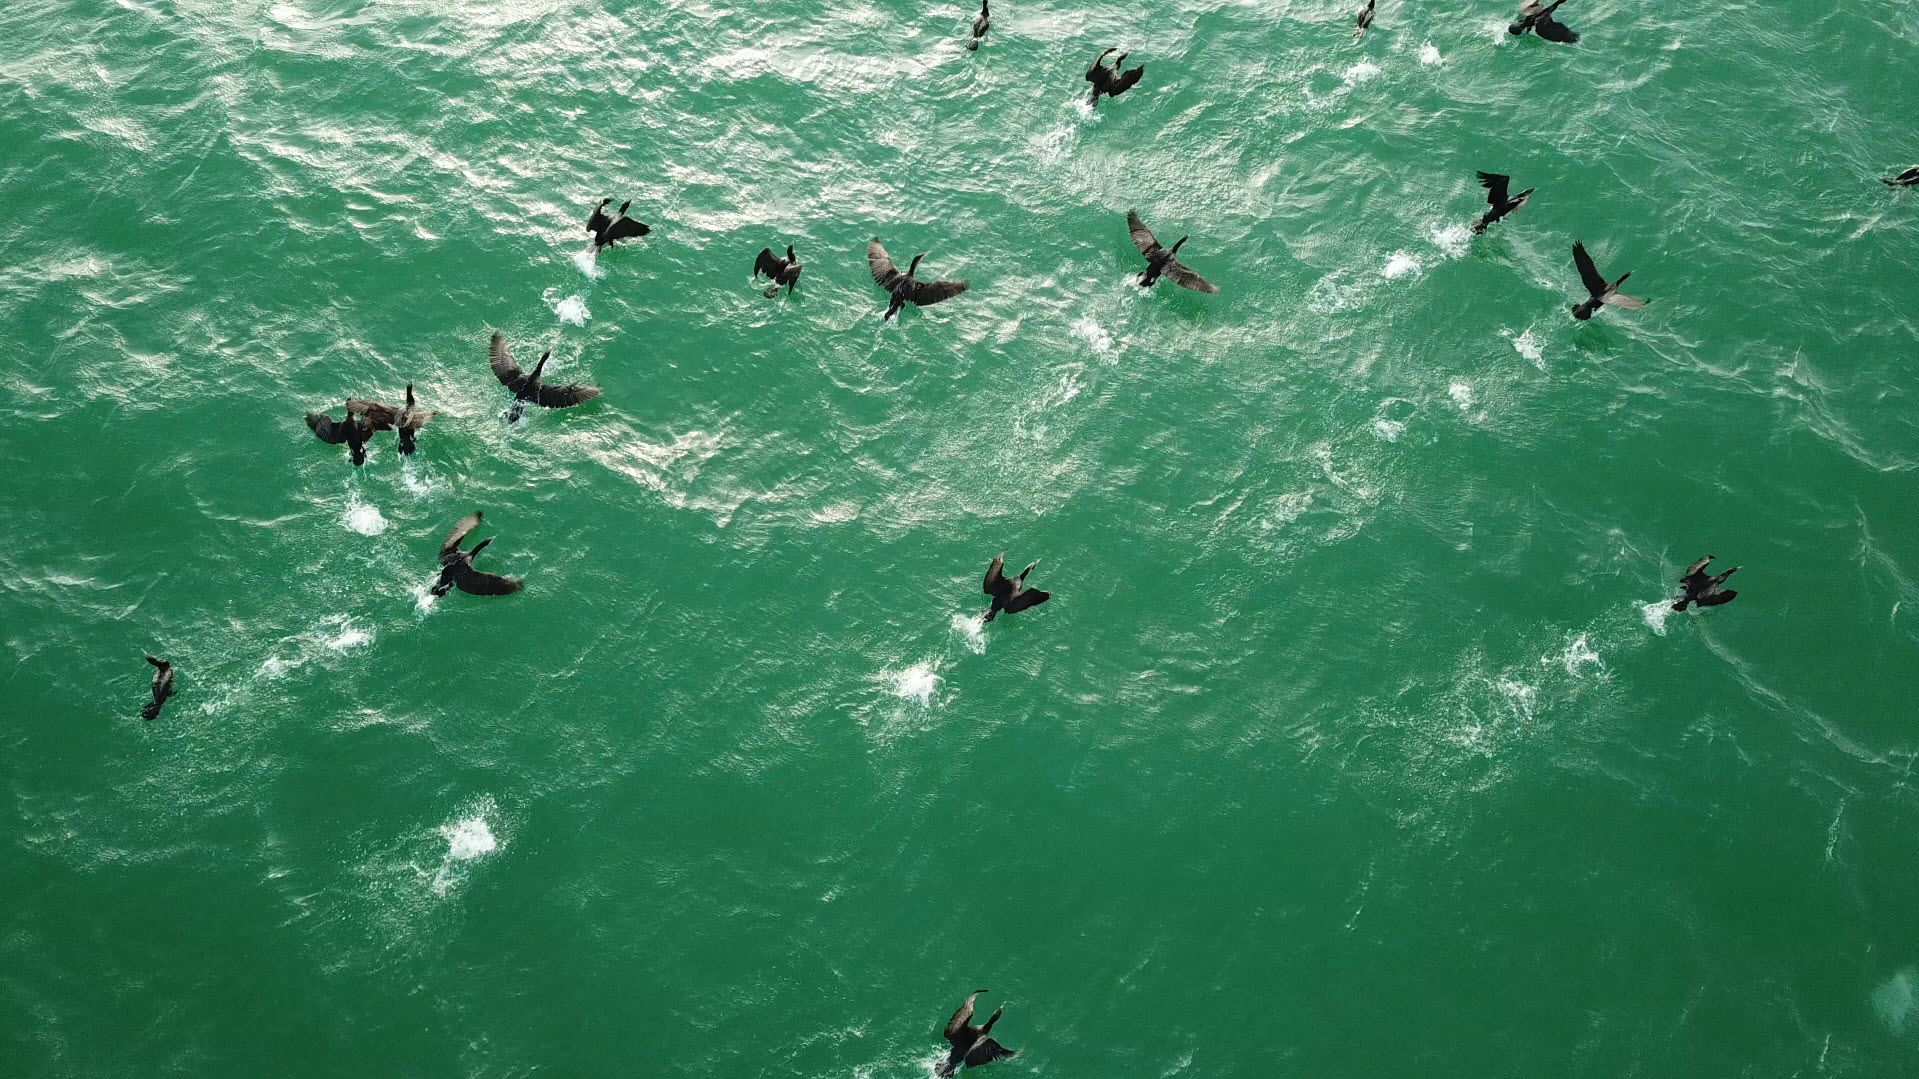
(623, 205)
(1175, 248)
(915, 263)
(409, 395)
(789, 252)
(603, 203)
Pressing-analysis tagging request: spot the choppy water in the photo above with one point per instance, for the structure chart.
(1353, 742)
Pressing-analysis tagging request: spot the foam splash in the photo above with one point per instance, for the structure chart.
(1453, 241)
(1400, 265)
(572, 310)
(1389, 430)
(588, 262)
(1897, 999)
(467, 839)
(1094, 335)
(416, 484)
(363, 517)
(423, 598)
(916, 683)
(1528, 346)
(1461, 392)
(1656, 614)
(348, 638)
(1579, 654)
(972, 629)
(1360, 72)
(1430, 55)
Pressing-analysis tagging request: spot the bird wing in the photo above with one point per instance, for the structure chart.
(994, 574)
(1099, 64)
(931, 292)
(1143, 238)
(1697, 566)
(1588, 273)
(382, 416)
(624, 228)
(881, 266)
(1553, 30)
(957, 1031)
(452, 541)
(158, 662)
(1126, 80)
(566, 396)
(1024, 598)
(598, 220)
(767, 263)
(1716, 597)
(504, 368)
(1186, 278)
(478, 582)
(414, 418)
(985, 1051)
(330, 430)
(1496, 187)
(1620, 299)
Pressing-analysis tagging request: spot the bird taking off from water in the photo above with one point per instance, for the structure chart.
(1701, 589)
(456, 566)
(405, 422)
(1601, 291)
(356, 430)
(783, 271)
(1905, 179)
(162, 687)
(611, 230)
(904, 288)
(1011, 595)
(1496, 187)
(1365, 19)
(1163, 260)
(1111, 81)
(972, 1046)
(981, 23)
(527, 388)
(1538, 18)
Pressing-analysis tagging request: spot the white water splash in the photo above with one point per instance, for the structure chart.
(348, 638)
(1528, 346)
(972, 629)
(1897, 1000)
(416, 483)
(1656, 614)
(1453, 241)
(916, 683)
(1094, 335)
(363, 517)
(572, 310)
(1461, 392)
(469, 838)
(1579, 654)
(588, 262)
(1360, 72)
(1400, 265)
(1430, 55)
(1389, 430)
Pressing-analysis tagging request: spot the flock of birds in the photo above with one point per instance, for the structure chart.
(970, 1045)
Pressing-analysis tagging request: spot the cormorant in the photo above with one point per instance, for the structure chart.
(1163, 260)
(981, 23)
(783, 271)
(904, 288)
(1701, 589)
(356, 430)
(1539, 18)
(611, 230)
(406, 421)
(1010, 595)
(456, 566)
(1602, 291)
(528, 387)
(972, 1047)
(162, 686)
(1111, 81)
(1904, 179)
(1365, 19)
(1496, 187)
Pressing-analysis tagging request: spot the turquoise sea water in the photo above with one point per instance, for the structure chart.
(1353, 742)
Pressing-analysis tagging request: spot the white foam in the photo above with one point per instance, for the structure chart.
(348, 638)
(415, 483)
(572, 310)
(1430, 55)
(1094, 335)
(1361, 71)
(362, 517)
(588, 262)
(423, 598)
(1453, 241)
(1577, 655)
(1656, 614)
(1897, 999)
(1528, 346)
(1519, 695)
(1400, 265)
(468, 839)
(275, 667)
(972, 628)
(1390, 430)
(1461, 392)
(916, 683)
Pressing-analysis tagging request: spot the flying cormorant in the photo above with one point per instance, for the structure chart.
(456, 566)
(1163, 260)
(527, 388)
(1601, 290)
(611, 230)
(162, 686)
(1701, 589)
(904, 288)
(981, 23)
(1111, 81)
(1496, 187)
(1538, 17)
(972, 1047)
(356, 430)
(783, 271)
(1010, 594)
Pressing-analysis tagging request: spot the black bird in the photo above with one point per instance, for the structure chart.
(1496, 187)
(1904, 179)
(904, 288)
(1111, 81)
(1163, 260)
(1538, 17)
(1365, 19)
(356, 430)
(610, 230)
(528, 388)
(1010, 595)
(783, 271)
(971, 1045)
(981, 23)
(456, 566)
(1701, 589)
(162, 686)
(1602, 291)
(405, 421)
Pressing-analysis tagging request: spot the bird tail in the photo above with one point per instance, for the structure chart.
(973, 45)
(1620, 299)
(151, 710)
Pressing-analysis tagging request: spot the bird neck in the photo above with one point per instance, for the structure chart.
(913, 267)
